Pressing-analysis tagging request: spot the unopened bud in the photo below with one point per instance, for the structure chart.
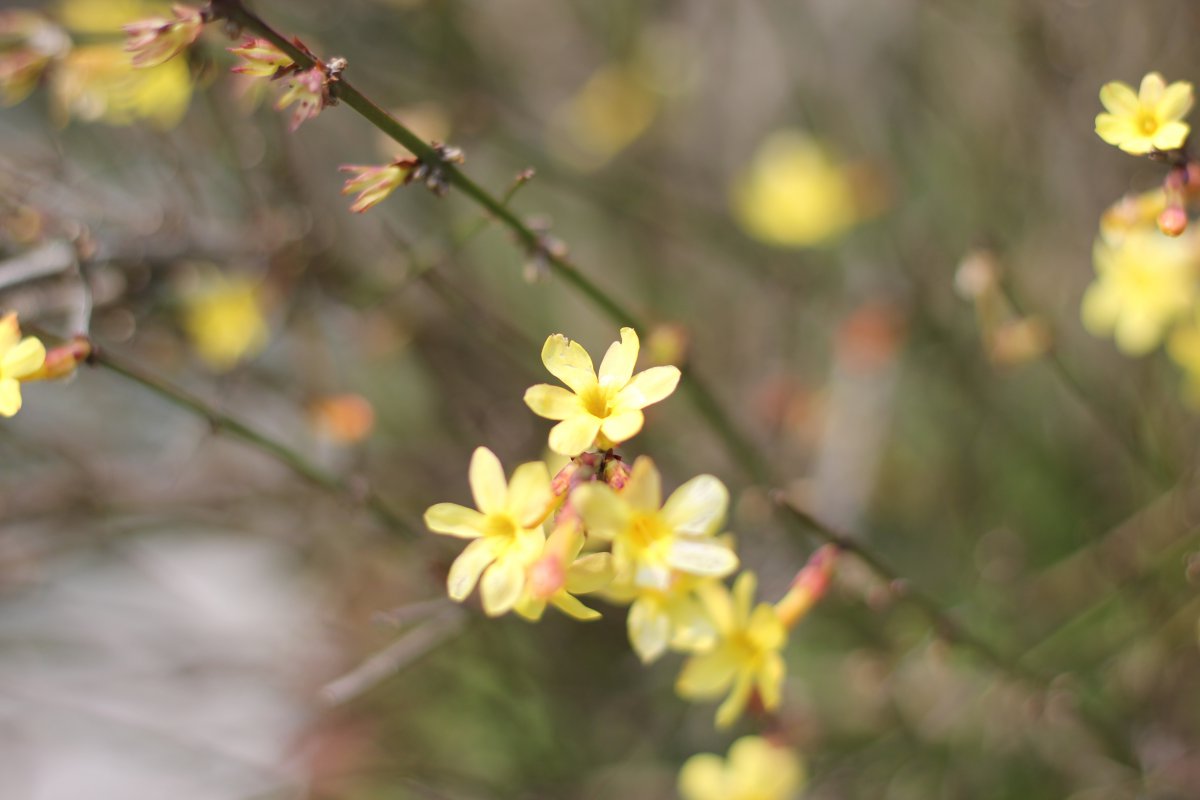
(810, 585)
(1173, 221)
(62, 361)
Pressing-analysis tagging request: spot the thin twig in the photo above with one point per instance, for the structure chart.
(738, 445)
(223, 423)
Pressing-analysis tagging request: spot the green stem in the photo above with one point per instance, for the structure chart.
(736, 442)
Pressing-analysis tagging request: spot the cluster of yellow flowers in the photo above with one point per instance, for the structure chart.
(1147, 257)
(104, 79)
(602, 527)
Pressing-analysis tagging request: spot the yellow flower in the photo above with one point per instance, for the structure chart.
(19, 359)
(662, 617)
(1145, 282)
(602, 410)
(1147, 121)
(755, 770)
(506, 529)
(260, 59)
(560, 574)
(609, 113)
(98, 18)
(746, 656)
(98, 83)
(374, 183)
(225, 321)
(794, 194)
(650, 538)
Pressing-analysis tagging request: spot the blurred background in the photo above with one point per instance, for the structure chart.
(866, 225)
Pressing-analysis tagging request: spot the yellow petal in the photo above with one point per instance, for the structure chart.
(698, 506)
(605, 515)
(465, 571)
(691, 629)
(1171, 135)
(502, 586)
(743, 597)
(530, 607)
(569, 362)
(488, 486)
(770, 681)
(552, 402)
(757, 766)
(706, 675)
(647, 387)
(1176, 102)
(1151, 90)
(703, 557)
(735, 703)
(27, 357)
(589, 574)
(765, 628)
(1138, 145)
(574, 435)
(530, 498)
(1119, 98)
(622, 427)
(455, 520)
(1114, 129)
(573, 608)
(649, 629)
(718, 606)
(1138, 332)
(617, 366)
(643, 490)
(703, 778)
(10, 397)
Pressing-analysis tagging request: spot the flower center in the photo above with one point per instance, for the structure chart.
(595, 402)
(645, 530)
(1147, 123)
(501, 525)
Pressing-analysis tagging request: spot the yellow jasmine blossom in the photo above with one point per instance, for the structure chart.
(794, 193)
(602, 410)
(100, 18)
(1148, 120)
(19, 359)
(98, 83)
(1145, 282)
(157, 39)
(755, 770)
(746, 656)
(225, 320)
(609, 113)
(651, 538)
(662, 617)
(561, 573)
(506, 530)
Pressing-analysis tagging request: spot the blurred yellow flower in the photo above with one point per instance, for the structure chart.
(506, 529)
(611, 111)
(795, 194)
(755, 770)
(746, 656)
(224, 318)
(1146, 121)
(602, 410)
(98, 83)
(561, 573)
(1184, 349)
(650, 539)
(99, 17)
(19, 359)
(1145, 282)
(661, 617)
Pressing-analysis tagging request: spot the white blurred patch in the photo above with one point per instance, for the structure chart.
(164, 667)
